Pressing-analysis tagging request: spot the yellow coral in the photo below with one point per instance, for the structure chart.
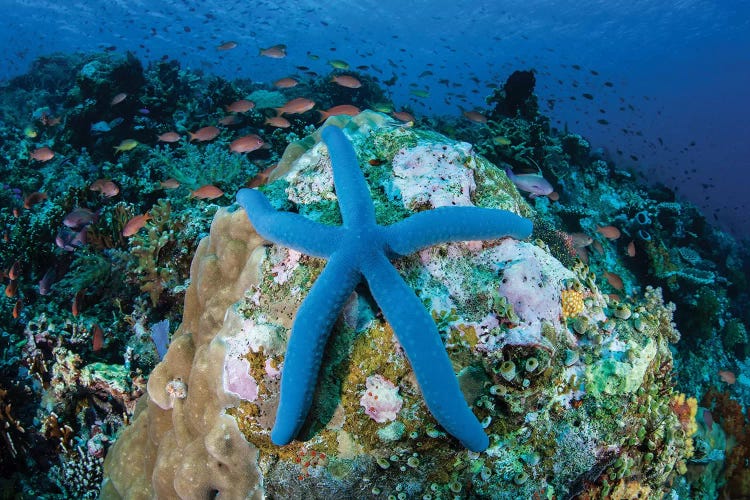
(630, 489)
(686, 409)
(572, 303)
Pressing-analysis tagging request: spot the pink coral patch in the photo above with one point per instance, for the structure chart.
(237, 379)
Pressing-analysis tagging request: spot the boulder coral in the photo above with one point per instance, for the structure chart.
(181, 444)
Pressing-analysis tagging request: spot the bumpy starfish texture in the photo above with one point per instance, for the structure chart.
(362, 248)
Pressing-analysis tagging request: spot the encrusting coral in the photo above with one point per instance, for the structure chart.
(573, 394)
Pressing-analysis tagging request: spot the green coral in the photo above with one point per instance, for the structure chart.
(88, 271)
(195, 166)
(610, 376)
(704, 313)
(264, 99)
(160, 266)
(734, 335)
(387, 143)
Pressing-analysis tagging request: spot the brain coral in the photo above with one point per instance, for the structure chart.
(568, 403)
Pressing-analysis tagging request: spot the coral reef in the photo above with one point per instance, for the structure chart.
(559, 343)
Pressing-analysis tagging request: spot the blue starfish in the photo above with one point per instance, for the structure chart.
(362, 248)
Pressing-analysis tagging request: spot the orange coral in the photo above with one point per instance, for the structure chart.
(728, 413)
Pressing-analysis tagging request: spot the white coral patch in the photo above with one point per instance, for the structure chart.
(311, 177)
(251, 337)
(434, 175)
(254, 335)
(283, 270)
(449, 264)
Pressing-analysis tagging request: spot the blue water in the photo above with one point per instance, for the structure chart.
(680, 70)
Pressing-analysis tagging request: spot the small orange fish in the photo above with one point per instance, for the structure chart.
(42, 154)
(14, 271)
(553, 196)
(97, 338)
(296, 106)
(204, 134)
(341, 109)
(246, 144)
(17, 309)
(262, 177)
(614, 280)
(47, 281)
(475, 116)
(33, 199)
(580, 240)
(207, 192)
(609, 232)
(105, 186)
(229, 120)
(285, 83)
(170, 184)
(241, 106)
(275, 52)
(80, 217)
(404, 116)
(375, 162)
(227, 46)
(169, 137)
(631, 249)
(582, 254)
(118, 98)
(75, 303)
(10, 290)
(346, 81)
(135, 224)
(727, 377)
(278, 122)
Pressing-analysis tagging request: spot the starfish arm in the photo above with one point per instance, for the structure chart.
(304, 352)
(354, 198)
(420, 339)
(445, 224)
(288, 229)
